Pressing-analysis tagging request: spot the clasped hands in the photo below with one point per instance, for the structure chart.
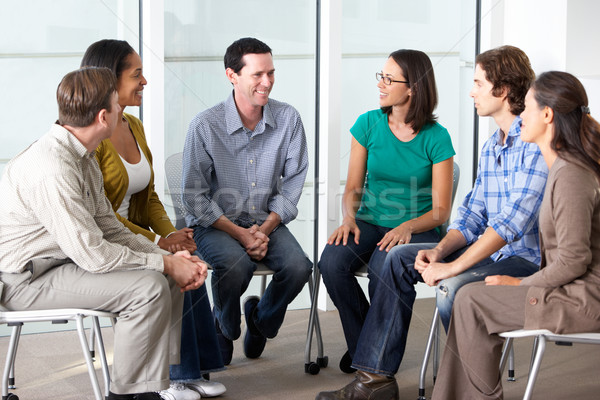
(255, 242)
(428, 264)
(188, 271)
(182, 239)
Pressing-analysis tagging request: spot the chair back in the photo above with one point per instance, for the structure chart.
(173, 172)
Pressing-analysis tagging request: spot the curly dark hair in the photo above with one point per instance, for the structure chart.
(508, 67)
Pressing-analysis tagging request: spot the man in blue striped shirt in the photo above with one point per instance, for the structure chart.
(244, 165)
(495, 233)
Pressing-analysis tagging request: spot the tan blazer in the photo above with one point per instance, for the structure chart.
(145, 209)
(564, 296)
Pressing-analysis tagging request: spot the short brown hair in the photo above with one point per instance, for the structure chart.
(508, 67)
(83, 93)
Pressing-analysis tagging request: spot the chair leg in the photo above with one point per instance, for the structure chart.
(101, 349)
(432, 336)
(314, 327)
(511, 365)
(88, 358)
(533, 351)
(10, 359)
(11, 377)
(505, 352)
(263, 285)
(436, 350)
(540, 348)
(92, 342)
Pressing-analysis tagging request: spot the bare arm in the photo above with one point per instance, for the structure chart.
(357, 169)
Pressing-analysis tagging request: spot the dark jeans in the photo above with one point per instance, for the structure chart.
(232, 272)
(383, 338)
(200, 352)
(338, 264)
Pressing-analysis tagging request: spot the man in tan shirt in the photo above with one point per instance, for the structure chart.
(62, 246)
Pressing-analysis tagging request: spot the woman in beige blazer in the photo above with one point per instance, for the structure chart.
(564, 296)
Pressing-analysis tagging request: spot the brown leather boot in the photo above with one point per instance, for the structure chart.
(365, 386)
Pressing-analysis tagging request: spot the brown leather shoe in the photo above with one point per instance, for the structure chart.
(365, 386)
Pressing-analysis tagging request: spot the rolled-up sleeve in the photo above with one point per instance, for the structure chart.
(293, 176)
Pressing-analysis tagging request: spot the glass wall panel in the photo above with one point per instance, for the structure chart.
(444, 30)
(47, 39)
(196, 37)
(41, 42)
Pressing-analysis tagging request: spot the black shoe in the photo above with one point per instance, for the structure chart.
(346, 364)
(225, 344)
(148, 396)
(254, 341)
(114, 396)
(365, 387)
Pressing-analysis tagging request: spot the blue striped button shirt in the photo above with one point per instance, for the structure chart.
(507, 195)
(242, 174)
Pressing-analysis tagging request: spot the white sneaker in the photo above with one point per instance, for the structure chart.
(178, 391)
(206, 388)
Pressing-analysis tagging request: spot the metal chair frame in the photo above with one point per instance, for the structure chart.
(542, 336)
(16, 319)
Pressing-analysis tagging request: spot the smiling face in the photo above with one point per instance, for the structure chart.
(486, 103)
(396, 94)
(131, 82)
(253, 83)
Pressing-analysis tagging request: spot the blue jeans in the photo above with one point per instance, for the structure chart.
(232, 272)
(382, 340)
(200, 352)
(338, 264)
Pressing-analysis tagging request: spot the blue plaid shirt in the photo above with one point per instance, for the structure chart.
(506, 196)
(242, 174)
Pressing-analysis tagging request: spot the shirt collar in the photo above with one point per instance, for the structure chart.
(514, 132)
(234, 122)
(72, 143)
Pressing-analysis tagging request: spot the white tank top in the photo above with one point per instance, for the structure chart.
(139, 178)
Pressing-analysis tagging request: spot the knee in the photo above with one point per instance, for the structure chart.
(330, 262)
(299, 270)
(154, 287)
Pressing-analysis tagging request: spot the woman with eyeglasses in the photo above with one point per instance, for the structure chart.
(126, 164)
(564, 295)
(398, 188)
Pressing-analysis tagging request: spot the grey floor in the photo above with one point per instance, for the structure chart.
(50, 365)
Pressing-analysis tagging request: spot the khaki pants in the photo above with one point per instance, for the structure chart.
(469, 368)
(147, 332)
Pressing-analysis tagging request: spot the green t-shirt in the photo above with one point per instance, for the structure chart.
(398, 181)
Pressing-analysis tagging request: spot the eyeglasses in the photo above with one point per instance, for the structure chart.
(386, 79)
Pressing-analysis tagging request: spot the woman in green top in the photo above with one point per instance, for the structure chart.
(398, 188)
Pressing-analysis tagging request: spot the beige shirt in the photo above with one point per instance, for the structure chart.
(54, 206)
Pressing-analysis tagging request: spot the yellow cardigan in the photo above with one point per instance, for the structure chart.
(145, 209)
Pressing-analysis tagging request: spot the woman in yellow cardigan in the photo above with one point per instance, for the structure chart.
(145, 212)
(126, 164)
